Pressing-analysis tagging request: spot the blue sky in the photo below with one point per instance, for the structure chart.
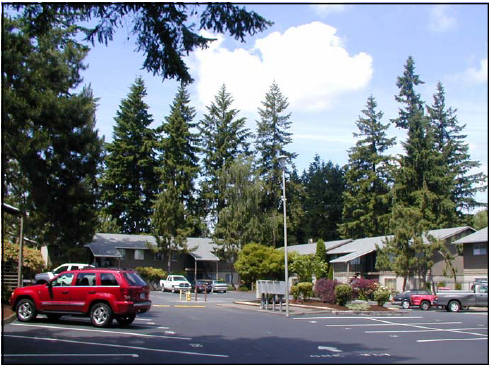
(327, 60)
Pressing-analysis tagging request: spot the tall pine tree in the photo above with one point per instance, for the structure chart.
(324, 184)
(223, 138)
(367, 202)
(129, 182)
(271, 140)
(449, 140)
(420, 181)
(51, 151)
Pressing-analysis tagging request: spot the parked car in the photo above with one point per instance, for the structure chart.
(47, 276)
(454, 300)
(219, 286)
(403, 299)
(101, 294)
(424, 301)
(174, 283)
(202, 285)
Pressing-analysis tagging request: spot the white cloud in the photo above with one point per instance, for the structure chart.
(441, 18)
(324, 10)
(478, 75)
(309, 63)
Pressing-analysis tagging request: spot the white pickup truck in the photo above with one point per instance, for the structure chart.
(175, 283)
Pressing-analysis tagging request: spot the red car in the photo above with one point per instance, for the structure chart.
(101, 294)
(424, 301)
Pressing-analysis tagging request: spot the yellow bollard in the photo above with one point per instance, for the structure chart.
(180, 294)
(188, 294)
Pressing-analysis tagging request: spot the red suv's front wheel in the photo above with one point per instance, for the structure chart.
(101, 315)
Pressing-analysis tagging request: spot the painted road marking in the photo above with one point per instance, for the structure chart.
(355, 317)
(119, 346)
(453, 339)
(76, 355)
(430, 330)
(387, 324)
(332, 349)
(103, 331)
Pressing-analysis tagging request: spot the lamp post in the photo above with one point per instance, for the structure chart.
(282, 161)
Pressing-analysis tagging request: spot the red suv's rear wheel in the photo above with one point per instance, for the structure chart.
(126, 319)
(101, 315)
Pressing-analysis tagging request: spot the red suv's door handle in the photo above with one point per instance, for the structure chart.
(91, 292)
(64, 292)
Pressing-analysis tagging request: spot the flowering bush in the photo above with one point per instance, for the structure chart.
(325, 290)
(32, 258)
(364, 288)
(343, 294)
(381, 295)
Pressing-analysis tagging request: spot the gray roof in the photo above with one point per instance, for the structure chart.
(363, 246)
(358, 247)
(310, 248)
(477, 237)
(106, 245)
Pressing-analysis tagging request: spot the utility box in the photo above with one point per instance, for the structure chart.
(270, 290)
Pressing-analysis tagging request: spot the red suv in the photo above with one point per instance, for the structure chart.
(101, 294)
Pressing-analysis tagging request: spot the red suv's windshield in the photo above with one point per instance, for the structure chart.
(134, 279)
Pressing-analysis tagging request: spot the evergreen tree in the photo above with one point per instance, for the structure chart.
(271, 141)
(51, 151)
(129, 182)
(367, 203)
(322, 257)
(450, 142)
(165, 32)
(223, 138)
(178, 147)
(406, 253)
(241, 220)
(169, 224)
(324, 185)
(421, 180)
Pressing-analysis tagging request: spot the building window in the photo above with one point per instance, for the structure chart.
(480, 249)
(390, 284)
(138, 254)
(122, 251)
(158, 256)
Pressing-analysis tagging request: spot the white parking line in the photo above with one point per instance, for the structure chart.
(453, 339)
(388, 324)
(356, 317)
(119, 346)
(103, 331)
(67, 355)
(430, 330)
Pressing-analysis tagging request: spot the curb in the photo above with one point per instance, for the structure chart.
(8, 320)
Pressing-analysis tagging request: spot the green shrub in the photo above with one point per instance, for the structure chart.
(382, 295)
(243, 288)
(6, 293)
(458, 286)
(343, 293)
(151, 275)
(440, 284)
(294, 291)
(305, 290)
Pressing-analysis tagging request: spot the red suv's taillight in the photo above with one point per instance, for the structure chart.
(126, 293)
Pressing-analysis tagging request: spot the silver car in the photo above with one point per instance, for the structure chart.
(219, 286)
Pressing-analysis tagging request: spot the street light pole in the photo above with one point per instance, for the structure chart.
(282, 161)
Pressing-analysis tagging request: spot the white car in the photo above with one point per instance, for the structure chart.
(219, 286)
(175, 283)
(47, 276)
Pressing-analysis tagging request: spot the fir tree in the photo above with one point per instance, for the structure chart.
(271, 141)
(367, 203)
(51, 151)
(223, 138)
(129, 181)
(420, 181)
(324, 185)
(178, 147)
(449, 140)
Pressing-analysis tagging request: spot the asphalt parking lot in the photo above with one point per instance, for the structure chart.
(217, 331)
